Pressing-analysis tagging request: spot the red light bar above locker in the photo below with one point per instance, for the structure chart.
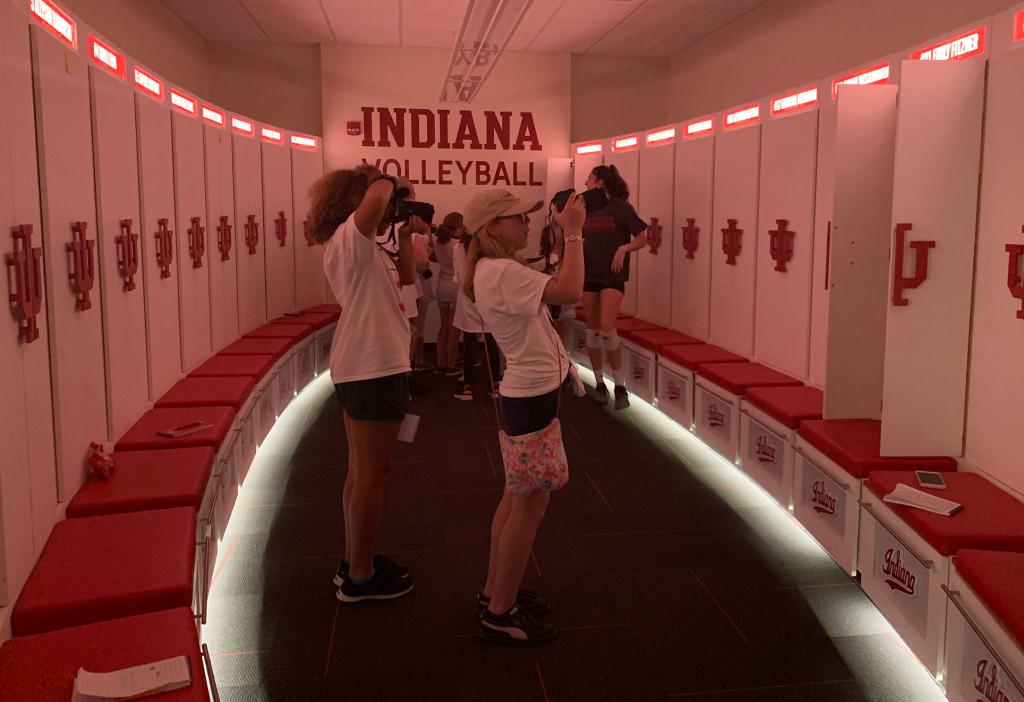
(594, 147)
(213, 116)
(183, 103)
(627, 143)
(56, 21)
(301, 141)
(149, 84)
(869, 76)
(795, 101)
(107, 58)
(738, 118)
(242, 126)
(661, 136)
(699, 127)
(271, 135)
(962, 46)
(1018, 27)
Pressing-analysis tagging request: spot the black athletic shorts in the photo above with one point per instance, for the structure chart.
(525, 415)
(596, 287)
(376, 400)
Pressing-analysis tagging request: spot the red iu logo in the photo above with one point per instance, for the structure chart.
(654, 235)
(26, 298)
(987, 683)
(224, 238)
(674, 391)
(127, 254)
(164, 248)
(901, 282)
(899, 578)
(780, 244)
(83, 265)
(639, 370)
(716, 417)
(1014, 276)
(732, 242)
(197, 242)
(765, 451)
(252, 234)
(823, 502)
(281, 227)
(307, 231)
(691, 236)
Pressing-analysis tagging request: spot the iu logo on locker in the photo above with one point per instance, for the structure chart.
(224, 238)
(823, 502)
(716, 417)
(987, 682)
(82, 273)
(732, 241)
(26, 296)
(197, 242)
(765, 451)
(674, 391)
(1014, 275)
(127, 254)
(780, 244)
(281, 227)
(164, 247)
(901, 282)
(691, 234)
(252, 234)
(654, 235)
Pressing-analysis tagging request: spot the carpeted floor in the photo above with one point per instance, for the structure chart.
(671, 577)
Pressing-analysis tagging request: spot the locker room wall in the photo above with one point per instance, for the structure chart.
(617, 95)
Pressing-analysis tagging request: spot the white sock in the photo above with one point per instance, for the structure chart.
(620, 376)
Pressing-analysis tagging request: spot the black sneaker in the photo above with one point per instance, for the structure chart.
(621, 397)
(529, 600)
(382, 586)
(600, 394)
(380, 562)
(465, 394)
(515, 627)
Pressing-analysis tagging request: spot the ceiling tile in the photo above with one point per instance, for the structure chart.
(430, 23)
(609, 12)
(430, 39)
(678, 13)
(217, 21)
(575, 37)
(361, 6)
(536, 20)
(292, 25)
(633, 39)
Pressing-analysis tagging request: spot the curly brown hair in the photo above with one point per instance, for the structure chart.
(335, 197)
(451, 224)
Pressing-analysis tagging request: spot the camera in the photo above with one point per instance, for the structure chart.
(594, 200)
(400, 209)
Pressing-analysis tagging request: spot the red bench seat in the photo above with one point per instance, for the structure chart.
(653, 340)
(318, 320)
(230, 366)
(294, 332)
(143, 434)
(692, 355)
(147, 480)
(328, 309)
(997, 578)
(118, 565)
(788, 405)
(626, 326)
(208, 392)
(275, 347)
(737, 377)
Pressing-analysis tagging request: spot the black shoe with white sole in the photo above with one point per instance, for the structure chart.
(380, 562)
(529, 600)
(621, 397)
(515, 627)
(381, 586)
(600, 394)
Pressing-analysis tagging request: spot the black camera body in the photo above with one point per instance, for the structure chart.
(400, 209)
(594, 200)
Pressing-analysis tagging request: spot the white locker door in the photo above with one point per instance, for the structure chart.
(28, 475)
(72, 264)
(120, 249)
(654, 270)
(785, 236)
(252, 234)
(733, 273)
(935, 192)
(997, 346)
(691, 276)
(194, 237)
(159, 247)
(223, 245)
(307, 168)
(628, 165)
(280, 239)
(582, 165)
(824, 197)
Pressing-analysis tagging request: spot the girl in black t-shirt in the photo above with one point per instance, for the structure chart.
(610, 235)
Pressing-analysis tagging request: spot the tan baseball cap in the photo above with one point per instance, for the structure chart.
(488, 205)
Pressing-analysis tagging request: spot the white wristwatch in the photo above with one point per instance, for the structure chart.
(573, 237)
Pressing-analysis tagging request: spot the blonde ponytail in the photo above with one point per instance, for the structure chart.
(483, 245)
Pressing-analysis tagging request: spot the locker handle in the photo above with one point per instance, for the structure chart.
(197, 242)
(954, 597)
(208, 664)
(901, 282)
(281, 227)
(82, 264)
(224, 238)
(780, 244)
(828, 253)
(654, 232)
(1015, 280)
(127, 254)
(26, 296)
(732, 241)
(252, 234)
(307, 231)
(164, 247)
(691, 237)
(930, 565)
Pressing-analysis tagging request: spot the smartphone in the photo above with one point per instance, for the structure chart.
(929, 479)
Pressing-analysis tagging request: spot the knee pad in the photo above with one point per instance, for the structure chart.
(610, 340)
(593, 339)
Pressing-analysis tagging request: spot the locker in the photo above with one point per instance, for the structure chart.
(935, 191)
(193, 238)
(824, 199)
(119, 248)
(628, 165)
(997, 346)
(28, 471)
(279, 241)
(691, 278)
(584, 163)
(307, 168)
(654, 266)
(221, 237)
(785, 243)
(735, 212)
(69, 253)
(252, 234)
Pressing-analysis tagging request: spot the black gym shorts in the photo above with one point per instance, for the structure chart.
(375, 400)
(596, 287)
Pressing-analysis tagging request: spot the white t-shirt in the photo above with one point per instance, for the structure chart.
(467, 317)
(372, 338)
(508, 295)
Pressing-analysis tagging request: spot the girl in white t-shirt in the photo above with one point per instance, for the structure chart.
(513, 303)
(369, 357)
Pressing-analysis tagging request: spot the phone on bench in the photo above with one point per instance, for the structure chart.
(930, 479)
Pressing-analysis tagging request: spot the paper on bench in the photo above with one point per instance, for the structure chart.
(132, 683)
(912, 497)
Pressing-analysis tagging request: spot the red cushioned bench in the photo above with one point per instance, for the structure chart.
(276, 347)
(655, 339)
(295, 332)
(905, 553)
(328, 309)
(737, 378)
(117, 565)
(997, 578)
(230, 366)
(787, 405)
(143, 434)
(42, 668)
(640, 348)
(676, 366)
(625, 326)
(318, 320)
(691, 356)
(227, 391)
(302, 337)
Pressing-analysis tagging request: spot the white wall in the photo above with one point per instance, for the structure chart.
(615, 95)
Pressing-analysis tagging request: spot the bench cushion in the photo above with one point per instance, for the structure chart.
(737, 377)
(257, 347)
(143, 480)
(227, 366)
(208, 392)
(329, 309)
(117, 565)
(692, 355)
(653, 340)
(854, 446)
(788, 405)
(991, 518)
(997, 578)
(295, 332)
(625, 326)
(42, 668)
(143, 434)
(319, 320)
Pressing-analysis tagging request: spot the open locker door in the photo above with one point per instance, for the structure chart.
(222, 231)
(691, 277)
(628, 165)
(252, 277)
(654, 264)
(307, 168)
(63, 120)
(277, 213)
(824, 197)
